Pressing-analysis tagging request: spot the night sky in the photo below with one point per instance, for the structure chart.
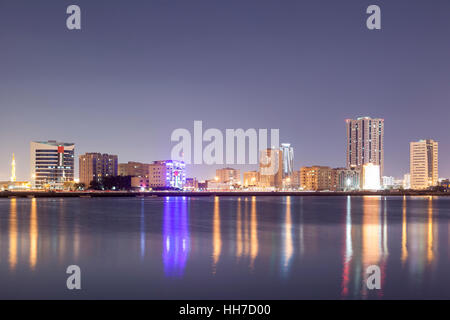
(140, 69)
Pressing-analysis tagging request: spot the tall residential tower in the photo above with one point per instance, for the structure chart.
(365, 142)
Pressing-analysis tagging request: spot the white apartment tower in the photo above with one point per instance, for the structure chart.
(424, 164)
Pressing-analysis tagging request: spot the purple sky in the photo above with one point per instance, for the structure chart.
(140, 69)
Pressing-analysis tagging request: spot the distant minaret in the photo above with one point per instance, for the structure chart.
(13, 169)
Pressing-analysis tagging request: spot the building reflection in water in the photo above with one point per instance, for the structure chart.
(13, 234)
(288, 242)
(374, 240)
(217, 237)
(422, 241)
(348, 253)
(253, 234)
(247, 243)
(142, 227)
(404, 232)
(365, 245)
(33, 234)
(62, 232)
(301, 234)
(76, 236)
(239, 243)
(176, 242)
(430, 247)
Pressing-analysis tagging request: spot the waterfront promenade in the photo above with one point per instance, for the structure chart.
(105, 194)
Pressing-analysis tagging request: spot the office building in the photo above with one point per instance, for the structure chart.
(365, 142)
(424, 164)
(51, 164)
(94, 166)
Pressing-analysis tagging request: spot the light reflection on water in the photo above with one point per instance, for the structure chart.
(227, 247)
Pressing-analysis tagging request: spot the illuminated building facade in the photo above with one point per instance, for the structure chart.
(347, 179)
(52, 164)
(407, 181)
(316, 178)
(140, 183)
(191, 184)
(167, 174)
(271, 169)
(228, 176)
(288, 159)
(251, 178)
(445, 184)
(95, 166)
(371, 177)
(424, 164)
(295, 179)
(388, 182)
(365, 142)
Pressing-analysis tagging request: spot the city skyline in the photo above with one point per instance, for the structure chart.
(78, 174)
(211, 62)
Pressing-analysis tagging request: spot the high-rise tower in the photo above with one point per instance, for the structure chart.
(365, 142)
(288, 159)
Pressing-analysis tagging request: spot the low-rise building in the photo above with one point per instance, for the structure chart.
(134, 169)
(228, 176)
(347, 179)
(316, 178)
(140, 183)
(251, 178)
(167, 174)
(191, 184)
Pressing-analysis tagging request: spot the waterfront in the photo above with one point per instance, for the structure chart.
(226, 247)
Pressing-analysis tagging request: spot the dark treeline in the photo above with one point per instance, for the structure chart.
(112, 183)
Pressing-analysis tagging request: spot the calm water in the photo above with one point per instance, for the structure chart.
(229, 247)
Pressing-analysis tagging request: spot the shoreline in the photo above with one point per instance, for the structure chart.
(111, 194)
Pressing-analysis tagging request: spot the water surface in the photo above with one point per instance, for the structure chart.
(225, 247)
